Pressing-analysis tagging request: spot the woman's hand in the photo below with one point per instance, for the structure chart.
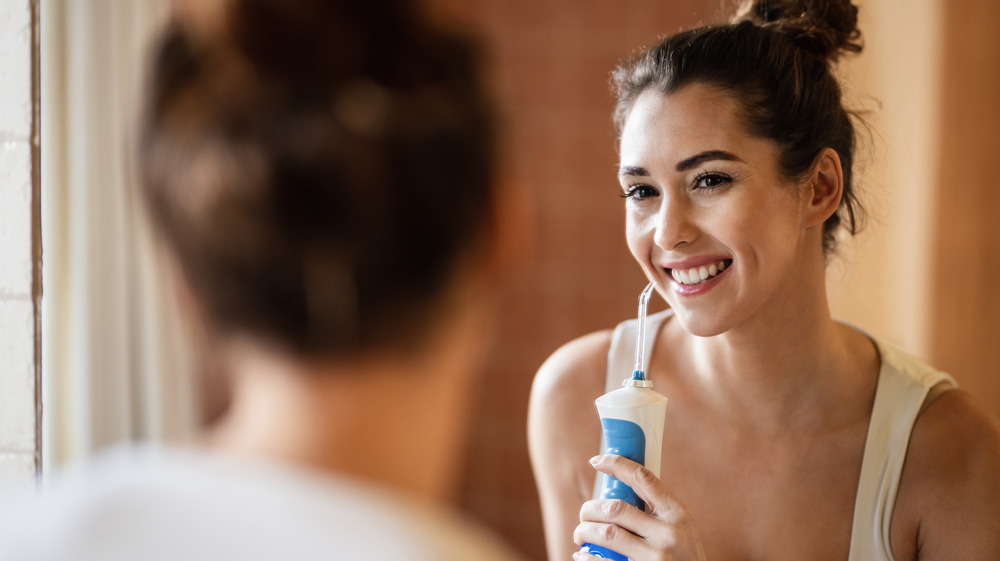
(666, 532)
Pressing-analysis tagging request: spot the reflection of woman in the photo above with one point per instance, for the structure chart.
(788, 435)
(320, 172)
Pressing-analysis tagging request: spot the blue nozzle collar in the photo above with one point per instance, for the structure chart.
(638, 380)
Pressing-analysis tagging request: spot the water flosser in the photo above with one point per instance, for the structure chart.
(632, 418)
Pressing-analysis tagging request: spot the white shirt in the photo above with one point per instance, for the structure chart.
(171, 504)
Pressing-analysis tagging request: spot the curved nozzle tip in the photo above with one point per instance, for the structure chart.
(644, 297)
(641, 336)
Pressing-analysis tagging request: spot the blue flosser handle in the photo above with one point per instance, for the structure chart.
(622, 438)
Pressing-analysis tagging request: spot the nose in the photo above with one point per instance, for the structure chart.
(675, 224)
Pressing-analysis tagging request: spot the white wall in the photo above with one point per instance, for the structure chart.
(17, 317)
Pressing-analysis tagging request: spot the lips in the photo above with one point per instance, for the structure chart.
(695, 275)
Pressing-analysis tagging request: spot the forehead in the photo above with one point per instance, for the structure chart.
(688, 121)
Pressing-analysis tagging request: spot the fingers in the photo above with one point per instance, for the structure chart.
(610, 536)
(641, 480)
(622, 528)
(667, 531)
(620, 513)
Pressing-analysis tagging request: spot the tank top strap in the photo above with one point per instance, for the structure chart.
(903, 386)
(621, 354)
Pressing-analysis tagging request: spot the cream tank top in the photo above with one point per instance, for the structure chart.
(903, 385)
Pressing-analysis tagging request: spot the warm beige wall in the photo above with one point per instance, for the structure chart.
(965, 317)
(925, 273)
(880, 280)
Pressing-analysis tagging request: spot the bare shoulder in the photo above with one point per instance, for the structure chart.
(564, 432)
(955, 444)
(576, 367)
(949, 492)
(564, 389)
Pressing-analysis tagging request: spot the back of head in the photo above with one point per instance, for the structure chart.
(775, 57)
(318, 168)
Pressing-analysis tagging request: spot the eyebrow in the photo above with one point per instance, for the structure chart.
(710, 155)
(686, 164)
(632, 170)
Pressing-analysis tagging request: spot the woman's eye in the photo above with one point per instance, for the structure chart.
(711, 180)
(638, 192)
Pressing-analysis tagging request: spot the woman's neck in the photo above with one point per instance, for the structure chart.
(790, 365)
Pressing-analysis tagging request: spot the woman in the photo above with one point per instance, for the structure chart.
(786, 433)
(320, 173)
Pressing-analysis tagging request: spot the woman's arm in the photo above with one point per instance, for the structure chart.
(948, 506)
(564, 432)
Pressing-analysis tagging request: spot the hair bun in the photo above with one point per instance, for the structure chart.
(828, 28)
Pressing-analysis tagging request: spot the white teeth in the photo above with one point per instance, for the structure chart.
(698, 274)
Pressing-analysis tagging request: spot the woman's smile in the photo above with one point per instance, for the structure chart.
(698, 274)
(693, 277)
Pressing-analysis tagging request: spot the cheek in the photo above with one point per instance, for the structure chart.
(637, 236)
(768, 237)
(770, 218)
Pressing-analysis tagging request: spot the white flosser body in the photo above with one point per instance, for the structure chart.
(632, 419)
(638, 404)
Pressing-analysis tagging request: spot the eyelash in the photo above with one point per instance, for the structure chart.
(630, 192)
(720, 179)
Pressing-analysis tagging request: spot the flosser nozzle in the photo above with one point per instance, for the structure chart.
(638, 378)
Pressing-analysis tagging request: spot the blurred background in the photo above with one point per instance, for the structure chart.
(88, 350)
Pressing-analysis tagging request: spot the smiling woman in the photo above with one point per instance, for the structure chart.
(709, 184)
(788, 435)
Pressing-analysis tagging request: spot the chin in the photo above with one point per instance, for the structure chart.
(696, 324)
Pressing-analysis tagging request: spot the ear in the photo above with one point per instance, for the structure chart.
(823, 188)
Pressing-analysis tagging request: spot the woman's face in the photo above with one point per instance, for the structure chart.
(709, 217)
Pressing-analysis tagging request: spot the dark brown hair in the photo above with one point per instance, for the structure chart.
(318, 168)
(775, 57)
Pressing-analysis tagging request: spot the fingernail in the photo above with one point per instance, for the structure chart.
(596, 459)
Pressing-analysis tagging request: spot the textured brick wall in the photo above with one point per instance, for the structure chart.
(17, 316)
